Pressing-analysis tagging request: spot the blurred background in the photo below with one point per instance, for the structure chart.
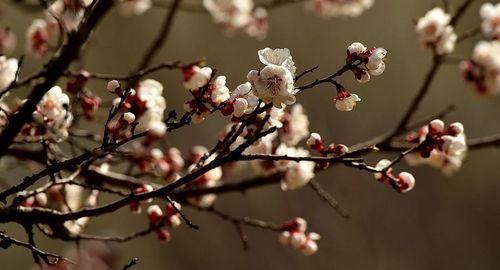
(444, 223)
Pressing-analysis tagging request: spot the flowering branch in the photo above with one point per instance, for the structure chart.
(55, 68)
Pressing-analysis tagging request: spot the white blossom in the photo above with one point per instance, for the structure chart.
(339, 8)
(366, 62)
(8, 41)
(133, 7)
(408, 180)
(69, 12)
(297, 174)
(196, 77)
(53, 113)
(347, 102)
(294, 236)
(452, 150)
(112, 86)
(37, 36)
(483, 70)
(129, 117)
(220, 92)
(376, 65)
(244, 99)
(434, 31)
(150, 93)
(490, 14)
(295, 126)
(234, 13)
(274, 83)
(8, 69)
(239, 16)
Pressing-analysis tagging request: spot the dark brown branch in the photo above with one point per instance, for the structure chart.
(139, 74)
(252, 222)
(424, 89)
(468, 34)
(460, 12)
(130, 264)
(328, 79)
(53, 71)
(480, 143)
(59, 166)
(161, 37)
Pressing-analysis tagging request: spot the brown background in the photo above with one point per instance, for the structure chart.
(445, 223)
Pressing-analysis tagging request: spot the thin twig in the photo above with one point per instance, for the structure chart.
(328, 198)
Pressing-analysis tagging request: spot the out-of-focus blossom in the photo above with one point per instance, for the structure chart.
(37, 38)
(295, 126)
(8, 41)
(491, 20)
(69, 12)
(483, 70)
(294, 235)
(239, 16)
(435, 32)
(338, 8)
(133, 7)
(211, 178)
(297, 174)
(8, 69)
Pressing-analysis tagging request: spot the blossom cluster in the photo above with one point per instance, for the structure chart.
(239, 16)
(435, 32)
(160, 220)
(363, 63)
(207, 94)
(155, 162)
(483, 69)
(51, 119)
(440, 146)
(144, 106)
(490, 14)
(294, 235)
(89, 102)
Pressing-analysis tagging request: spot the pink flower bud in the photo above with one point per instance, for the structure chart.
(129, 117)
(163, 235)
(407, 181)
(310, 247)
(341, 150)
(113, 86)
(456, 128)
(297, 239)
(154, 214)
(284, 238)
(436, 126)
